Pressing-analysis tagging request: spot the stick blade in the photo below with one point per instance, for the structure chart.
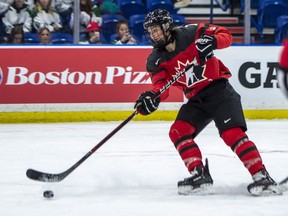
(44, 177)
(284, 181)
(283, 185)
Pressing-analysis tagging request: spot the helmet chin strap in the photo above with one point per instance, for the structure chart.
(168, 39)
(171, 38)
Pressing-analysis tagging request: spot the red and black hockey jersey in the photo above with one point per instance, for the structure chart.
(162, 64)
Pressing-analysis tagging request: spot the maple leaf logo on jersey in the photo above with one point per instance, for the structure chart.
(194, 74)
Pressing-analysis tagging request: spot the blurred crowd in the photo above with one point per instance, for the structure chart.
(35, 21)
(52, 22)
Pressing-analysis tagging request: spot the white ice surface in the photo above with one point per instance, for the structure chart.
(135, 173)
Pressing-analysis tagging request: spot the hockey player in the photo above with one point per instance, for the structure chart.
(282, 73)
(210, 97)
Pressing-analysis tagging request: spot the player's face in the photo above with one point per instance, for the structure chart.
(156, 33)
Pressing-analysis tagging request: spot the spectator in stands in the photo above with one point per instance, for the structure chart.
(3, 7)
(123, 34)
(93, 34)
(30, 4)
(89, 13)
(45, 16)
(44, 35)
(63, 5)
(16, 35)
(64, 8)
(109, 7)
(4, 4)
(282, 73)
(18, 13)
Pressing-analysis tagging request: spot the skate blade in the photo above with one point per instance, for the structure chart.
(271, 190)
(204, 189)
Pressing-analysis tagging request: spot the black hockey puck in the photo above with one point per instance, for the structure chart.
(48, 194)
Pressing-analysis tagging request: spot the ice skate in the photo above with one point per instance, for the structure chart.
(263, 185)
(198, 183)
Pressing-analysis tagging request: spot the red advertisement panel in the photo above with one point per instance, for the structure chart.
(74, 75)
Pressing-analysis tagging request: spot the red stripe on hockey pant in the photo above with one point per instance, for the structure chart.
(181, 135)
(245, 149)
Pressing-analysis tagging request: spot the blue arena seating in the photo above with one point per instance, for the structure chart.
(129, 8)
(254, 4)
(178, 20)
(109, 22)
(56, 38)
(113, 37)
(119, 2)
(144, 40)
(136, 25)
(281, 30)
(268, 12)
(61, 38)
(31, 38)
(160, 4)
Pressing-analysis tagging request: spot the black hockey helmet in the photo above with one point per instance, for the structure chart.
(161, 18)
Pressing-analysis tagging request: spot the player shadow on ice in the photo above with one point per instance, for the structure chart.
(240, 189)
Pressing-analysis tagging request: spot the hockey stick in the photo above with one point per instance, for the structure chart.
(283, 185)
(49, 177)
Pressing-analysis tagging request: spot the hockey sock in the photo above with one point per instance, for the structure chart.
(245, 149)
(181, 135)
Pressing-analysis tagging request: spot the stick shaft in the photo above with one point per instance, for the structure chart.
(49, 177)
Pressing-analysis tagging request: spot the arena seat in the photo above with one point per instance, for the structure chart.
(31, 38)
(268, 12)
(178, 20)
(130, 8)
(109, 22)
(160, 4)
(281, 30)
(61, 38)
(136, 25)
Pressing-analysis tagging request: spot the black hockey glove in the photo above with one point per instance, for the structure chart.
(205, 45)
(146, 104)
